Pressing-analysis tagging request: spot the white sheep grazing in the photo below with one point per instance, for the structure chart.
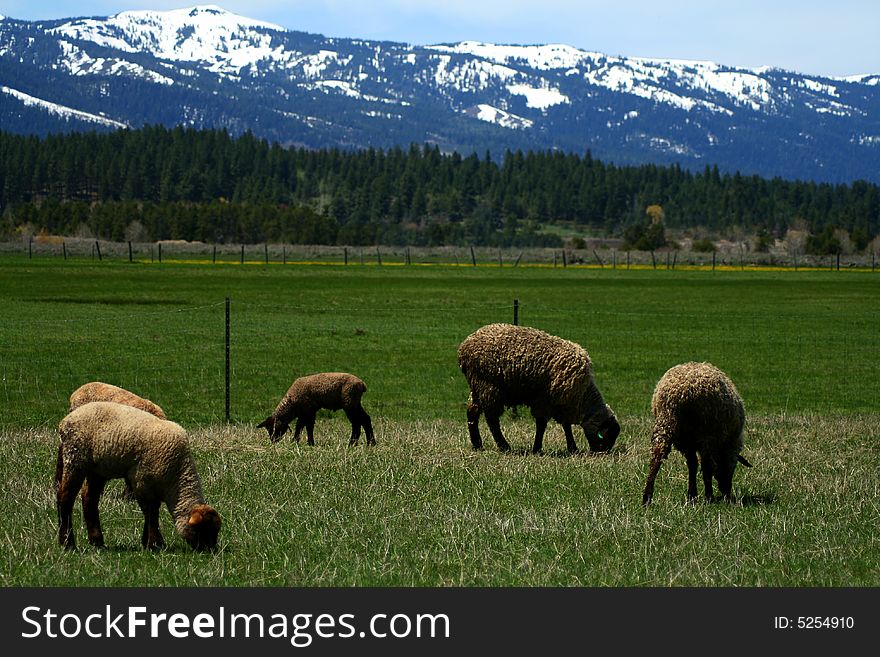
(308, 394)
(100, 391)
(105, 440)
(698, 411)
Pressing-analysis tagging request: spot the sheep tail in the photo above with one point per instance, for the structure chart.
(659, 451)
(742, 459)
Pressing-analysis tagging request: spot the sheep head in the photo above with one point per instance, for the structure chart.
(274, 427)
(202, 528)
(601, 429)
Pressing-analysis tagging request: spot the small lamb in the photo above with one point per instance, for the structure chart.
(699, 411)
(105, 440)
(308, 394)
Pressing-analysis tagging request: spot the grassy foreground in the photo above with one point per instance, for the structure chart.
(422, 508)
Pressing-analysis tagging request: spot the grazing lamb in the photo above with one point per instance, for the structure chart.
(98, 391)
(105, 440)
(308, 394)
(697, 410)
(508, 365)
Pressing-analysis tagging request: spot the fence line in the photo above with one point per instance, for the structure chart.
(212, 366)
(596, 256)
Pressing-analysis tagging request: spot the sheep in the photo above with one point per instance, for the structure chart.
(98, 391)
(507, 365)
(697, 410)
(308, 394)
(105, 440)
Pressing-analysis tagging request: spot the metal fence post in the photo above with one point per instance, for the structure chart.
(227, 360)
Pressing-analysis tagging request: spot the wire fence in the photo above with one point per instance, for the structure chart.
(204, 366)
(601, 255)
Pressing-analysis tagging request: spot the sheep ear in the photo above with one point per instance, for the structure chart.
(266, 423)
(195, 518)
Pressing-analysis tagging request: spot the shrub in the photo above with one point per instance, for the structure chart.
(704, 245)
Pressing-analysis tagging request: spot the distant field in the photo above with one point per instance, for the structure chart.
(422, 508)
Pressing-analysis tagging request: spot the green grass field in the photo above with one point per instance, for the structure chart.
(421, 508)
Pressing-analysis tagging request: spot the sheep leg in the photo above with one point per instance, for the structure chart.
(569, 439)
(68, 486)
(59, 470)
(310, 429)
(368, 427)
(355, 418)
(540, 428)
(691, 456)
(91, 495)
(128, 492)
(725, 480)
(298, 429)
(494, 422)
(706, 465)
(473, 423)
(151, 537)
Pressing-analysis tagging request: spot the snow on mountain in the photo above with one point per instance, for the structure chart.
(498, 116)
(60, 110)
(229, 44)
(685, 84)
(543, 58)
(540, 98)
(207, 67)
(78, 62)
(870, 79)
(208, 34)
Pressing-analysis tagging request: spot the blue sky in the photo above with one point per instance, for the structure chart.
(819, 37)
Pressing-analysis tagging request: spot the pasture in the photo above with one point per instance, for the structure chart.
(422, 508)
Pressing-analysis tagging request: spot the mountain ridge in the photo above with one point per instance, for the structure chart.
(206, 67)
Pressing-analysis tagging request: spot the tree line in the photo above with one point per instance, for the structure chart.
(175, 183)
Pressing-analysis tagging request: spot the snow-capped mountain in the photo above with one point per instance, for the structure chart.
(206, 67)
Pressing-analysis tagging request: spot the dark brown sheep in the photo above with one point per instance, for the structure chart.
(308, 394)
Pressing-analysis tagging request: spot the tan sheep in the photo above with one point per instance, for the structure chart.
(99, 391)
(698, 411)
(308, 394)
(507, 365)
(105, 440)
